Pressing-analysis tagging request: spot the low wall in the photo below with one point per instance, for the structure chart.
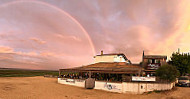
(141, 87)
(124, 87)
(74, 82)
(108, 86)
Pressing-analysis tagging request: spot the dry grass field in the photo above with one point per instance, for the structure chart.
(48, 88)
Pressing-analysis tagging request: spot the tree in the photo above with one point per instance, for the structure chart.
(181, 62)
(167, 72)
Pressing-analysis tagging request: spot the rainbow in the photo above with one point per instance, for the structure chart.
(58, 9)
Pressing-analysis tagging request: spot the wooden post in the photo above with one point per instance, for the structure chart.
(139, 73)
(109, 76)
(80, 74)
(59, 73)
(95, 76)
(117, 77)
(89, 74)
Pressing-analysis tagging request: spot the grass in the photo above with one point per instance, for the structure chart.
(158, 91)
(162, 91)
(149, 92)
(26, 73)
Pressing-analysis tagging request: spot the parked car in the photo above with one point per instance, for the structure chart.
(183, 81)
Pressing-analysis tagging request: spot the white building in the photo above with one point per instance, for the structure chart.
(114, 57)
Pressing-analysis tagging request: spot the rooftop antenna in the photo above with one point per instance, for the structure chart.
(178, 50)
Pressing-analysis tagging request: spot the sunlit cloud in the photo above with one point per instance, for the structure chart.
(37, 40)
(5, 49)
(52, 34)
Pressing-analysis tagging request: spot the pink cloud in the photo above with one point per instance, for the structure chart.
(5, 49)
(45, 38)
(37, 40)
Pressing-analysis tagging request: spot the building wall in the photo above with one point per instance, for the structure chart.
(119, 59)
(162, 61)
(130, 87)
(108, 86)
(141, 87)
(109, 58)
(124, 87)
(146, 62)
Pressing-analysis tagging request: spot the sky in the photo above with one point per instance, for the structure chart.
(54, 34)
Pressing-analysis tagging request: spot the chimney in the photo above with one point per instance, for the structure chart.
(143, 56)
(143, 53)
(142, 59)
(102, 52)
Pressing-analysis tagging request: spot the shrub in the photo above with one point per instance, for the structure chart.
(167, 72)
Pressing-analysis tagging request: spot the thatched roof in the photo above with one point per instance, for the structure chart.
(114, 67)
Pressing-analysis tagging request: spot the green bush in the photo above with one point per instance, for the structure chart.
(167, 72)
(181, 62)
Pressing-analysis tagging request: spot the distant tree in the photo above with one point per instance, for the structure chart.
(167, 72)
(181, 62)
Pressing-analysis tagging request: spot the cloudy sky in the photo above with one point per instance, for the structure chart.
(53, 34)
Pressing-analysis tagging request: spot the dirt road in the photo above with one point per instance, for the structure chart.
(48, 88)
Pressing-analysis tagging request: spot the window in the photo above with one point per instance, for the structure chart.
(157, 61)
(149, 61)
(153, 61)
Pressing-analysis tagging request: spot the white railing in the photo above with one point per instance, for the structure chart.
(136, 78)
